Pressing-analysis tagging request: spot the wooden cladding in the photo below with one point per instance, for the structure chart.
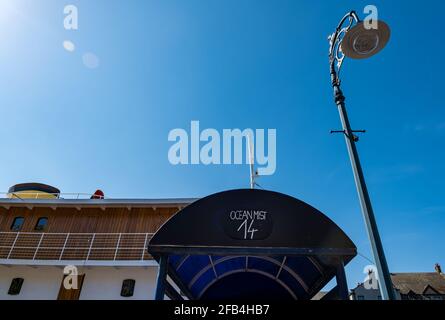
(88, 220)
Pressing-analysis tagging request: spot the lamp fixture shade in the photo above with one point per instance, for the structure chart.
(361, 42)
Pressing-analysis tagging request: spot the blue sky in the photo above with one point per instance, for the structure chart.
(230, 64)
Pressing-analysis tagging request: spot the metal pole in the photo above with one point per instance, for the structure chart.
(385, 283)
(162, 275)
(342, 284)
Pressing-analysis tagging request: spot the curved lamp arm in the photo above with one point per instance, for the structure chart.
(336, 56)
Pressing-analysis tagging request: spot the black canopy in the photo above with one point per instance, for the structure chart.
(251, 244)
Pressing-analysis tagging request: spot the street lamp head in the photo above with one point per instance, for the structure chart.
(362, 42)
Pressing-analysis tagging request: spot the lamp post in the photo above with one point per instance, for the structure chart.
(354, 39)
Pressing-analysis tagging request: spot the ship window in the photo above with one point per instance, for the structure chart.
(17, 224)
(41, 224)
(16, 286)
(128, 288)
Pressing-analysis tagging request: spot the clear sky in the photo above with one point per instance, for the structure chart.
(157, 65)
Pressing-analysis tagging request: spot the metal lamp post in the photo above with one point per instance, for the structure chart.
(354, 39)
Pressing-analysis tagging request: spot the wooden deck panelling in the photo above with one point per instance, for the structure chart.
(85, 234)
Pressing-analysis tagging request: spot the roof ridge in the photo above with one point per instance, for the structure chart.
(403, 273)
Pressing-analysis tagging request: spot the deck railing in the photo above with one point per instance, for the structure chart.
(42, 195)
(74, 246)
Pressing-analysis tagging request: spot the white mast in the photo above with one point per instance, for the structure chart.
(251, 163)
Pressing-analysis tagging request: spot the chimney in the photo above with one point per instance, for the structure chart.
(438, 268)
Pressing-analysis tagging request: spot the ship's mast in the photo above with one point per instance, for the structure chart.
(251, 163)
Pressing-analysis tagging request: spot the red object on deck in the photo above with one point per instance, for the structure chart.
(98, 194)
